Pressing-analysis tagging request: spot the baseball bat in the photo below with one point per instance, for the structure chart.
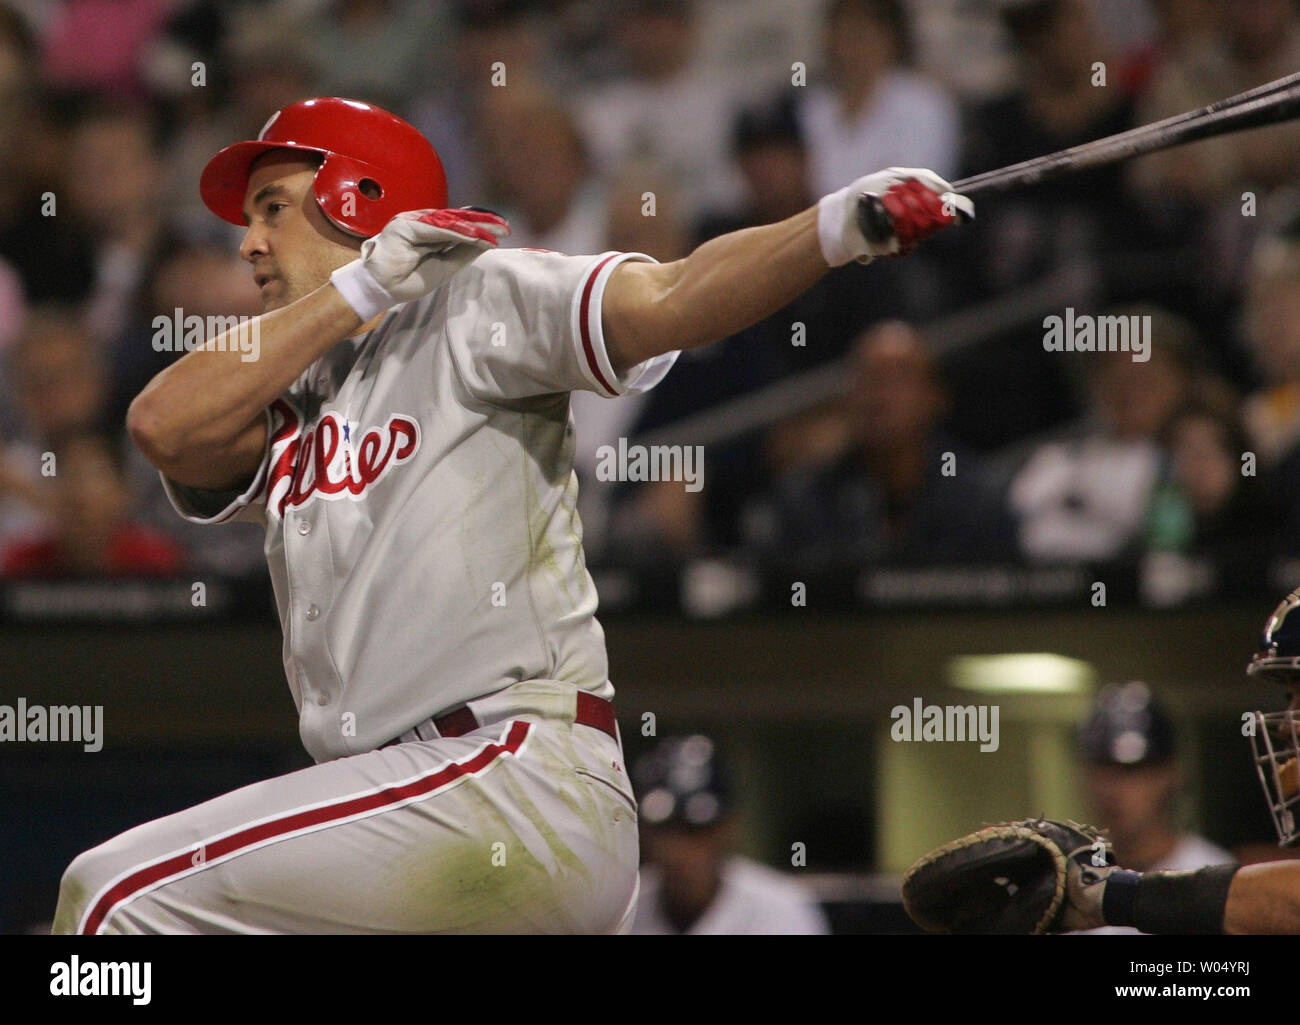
(1271, 103)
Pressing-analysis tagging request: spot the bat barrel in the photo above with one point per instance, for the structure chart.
(1271, 104)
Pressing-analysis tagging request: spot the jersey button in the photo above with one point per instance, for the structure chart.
(304, 527)
(313, 611)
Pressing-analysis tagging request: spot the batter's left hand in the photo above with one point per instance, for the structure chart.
(919, 202)
(417, 252)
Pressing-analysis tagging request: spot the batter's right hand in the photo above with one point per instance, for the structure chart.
(417, 252)
(918, 203)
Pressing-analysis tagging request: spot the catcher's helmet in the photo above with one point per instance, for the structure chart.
(1275, 736)
(374, 165)
(682, 782)
(1278, 656)
(1127, 726)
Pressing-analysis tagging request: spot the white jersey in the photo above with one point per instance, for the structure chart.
(418, 496)
(753, 900)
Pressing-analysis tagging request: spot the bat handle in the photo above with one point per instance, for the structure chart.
(874, 220)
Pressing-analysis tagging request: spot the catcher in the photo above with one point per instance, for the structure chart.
(1041, 875)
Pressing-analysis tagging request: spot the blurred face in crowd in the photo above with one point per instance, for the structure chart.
(15, 65)
(205, 281)
(656, 43)
(1131, 800)
(113, 175)
(93, 500)
(776, 177)
(538, 161)
(691, 861)
(59, 386)
(1274, 317)
(290, 243)
(1186, 19)
(514, 42)
(1059, 44)
(1257, 28)
(267, 83)
(1204, 463)
(858, 44)
(894, 397)
(1135, 400)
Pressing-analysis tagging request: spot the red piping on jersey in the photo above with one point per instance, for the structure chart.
(583, 311)
(282, 828)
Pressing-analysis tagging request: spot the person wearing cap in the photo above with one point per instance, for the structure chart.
(692, 881)
(1128, 746)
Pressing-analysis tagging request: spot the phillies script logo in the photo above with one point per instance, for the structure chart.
(327, 460)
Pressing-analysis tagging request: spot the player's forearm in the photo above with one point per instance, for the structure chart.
(1264, 899)
(206, 398)
(738, 279)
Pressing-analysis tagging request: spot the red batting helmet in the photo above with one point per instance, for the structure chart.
(366, 150)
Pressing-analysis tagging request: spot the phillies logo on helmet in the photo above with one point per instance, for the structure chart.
(327, 459)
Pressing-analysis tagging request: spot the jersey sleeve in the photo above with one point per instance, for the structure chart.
(200, 505)
(527, 322)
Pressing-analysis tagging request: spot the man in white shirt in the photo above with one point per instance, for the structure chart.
(691, 882)
(872, 108)
(1133, 779)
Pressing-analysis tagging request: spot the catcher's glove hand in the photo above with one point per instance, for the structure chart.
(1034, 876)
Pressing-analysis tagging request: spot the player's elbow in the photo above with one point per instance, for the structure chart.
(145, 424)
(641, 314)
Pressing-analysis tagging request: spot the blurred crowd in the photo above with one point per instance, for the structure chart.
(652, 126)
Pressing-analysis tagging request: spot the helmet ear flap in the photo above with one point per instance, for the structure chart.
(352, 194)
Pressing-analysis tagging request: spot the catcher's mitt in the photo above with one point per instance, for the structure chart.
(1008, 878)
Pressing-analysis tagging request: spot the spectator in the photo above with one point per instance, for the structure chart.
(1272, 412)
(1087, 498)
(383, 50)
(1208, 502)
(91, 532)
(1021, 237)
(646, 522)
(872, 112)
(1128, 759)
(99, 44)
(1256, 41)
(499, 48)
(962, 46)
(538, 165)
(58, 387)
(113, 196)
(188, 278)
(51, 254)
(18, 49)
(198, 279)
(670, 110)
(902, 490)
(263, 78)
(1183, 26)
(692, 882)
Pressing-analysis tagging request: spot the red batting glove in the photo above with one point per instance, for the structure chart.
(918, 212)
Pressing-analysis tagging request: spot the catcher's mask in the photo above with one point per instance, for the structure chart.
(1276, 735)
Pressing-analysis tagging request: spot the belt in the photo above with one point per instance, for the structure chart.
(591, 711)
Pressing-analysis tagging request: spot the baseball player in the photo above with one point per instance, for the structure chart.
(954, 886)
(403, 435)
